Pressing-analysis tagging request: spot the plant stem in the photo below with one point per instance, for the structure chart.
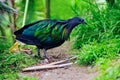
(25, 12)
(47, 8)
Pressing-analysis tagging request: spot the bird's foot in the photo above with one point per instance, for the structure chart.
(46, 57)
(45, 61)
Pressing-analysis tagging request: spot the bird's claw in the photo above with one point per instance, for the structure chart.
(46, 61)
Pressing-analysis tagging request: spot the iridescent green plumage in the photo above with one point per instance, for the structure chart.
(47, 31)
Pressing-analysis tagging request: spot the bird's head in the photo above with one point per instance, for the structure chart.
(71, 23)
(74, 22)
(77, 20)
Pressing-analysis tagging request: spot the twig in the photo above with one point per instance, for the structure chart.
(46, 67)
(63, 61)
(57, 64)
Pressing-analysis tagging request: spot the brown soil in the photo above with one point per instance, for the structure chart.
(73, 72)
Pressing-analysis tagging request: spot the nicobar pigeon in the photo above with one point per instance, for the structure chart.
(47, 34)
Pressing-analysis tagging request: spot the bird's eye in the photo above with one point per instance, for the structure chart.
(81, 20)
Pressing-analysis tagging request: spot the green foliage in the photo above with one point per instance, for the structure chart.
(64, 12)
(93, 52)
(103, 24)
(3, 46)
(28, 78)
(12, 63)
(111, 70)
(9, 76)
(5, 11)
(5, 37)
(14, 76)
(99, 39)
(36, 11)
(5, 8)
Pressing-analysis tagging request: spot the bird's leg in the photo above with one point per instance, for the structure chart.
(38, 50)
(46, 54)
(46, 60)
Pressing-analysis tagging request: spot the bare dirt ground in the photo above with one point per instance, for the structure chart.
(73, 72)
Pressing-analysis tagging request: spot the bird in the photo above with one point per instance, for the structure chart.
(47, 33)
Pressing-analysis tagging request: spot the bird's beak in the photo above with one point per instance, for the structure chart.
(84, 23)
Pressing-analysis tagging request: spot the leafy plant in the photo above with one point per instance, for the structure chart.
(110, 72)
(103, 24)
(12, 63)
(93, 52)
(36, 11)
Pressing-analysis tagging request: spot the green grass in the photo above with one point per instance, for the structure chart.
(91, 53)
(12, 63)
(28, 78)
(102, 24)
(109, 70)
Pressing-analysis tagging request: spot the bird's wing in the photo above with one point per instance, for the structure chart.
(52, 32)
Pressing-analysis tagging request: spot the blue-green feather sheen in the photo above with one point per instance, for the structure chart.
(31, 30)
(46, 32)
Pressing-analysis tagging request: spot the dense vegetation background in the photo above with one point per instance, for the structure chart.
(96, 44)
